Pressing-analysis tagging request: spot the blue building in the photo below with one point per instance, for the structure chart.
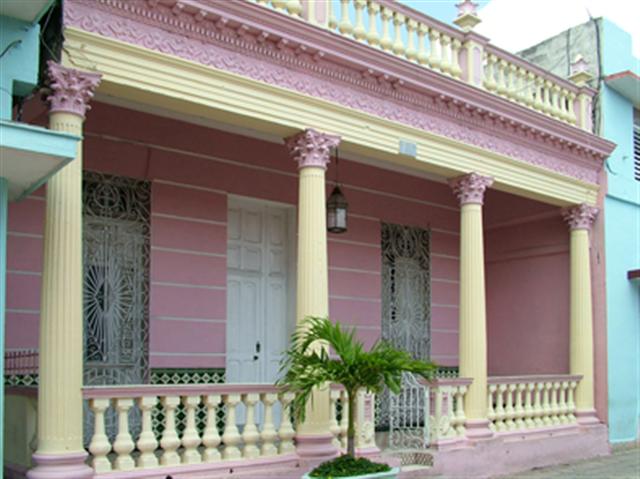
(616, 74)
(29, 155)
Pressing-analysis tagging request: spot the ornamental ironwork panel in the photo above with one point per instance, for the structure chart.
(406, 297)
(116, 234)
(408, 421)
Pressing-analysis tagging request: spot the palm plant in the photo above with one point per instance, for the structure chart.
(306, 366)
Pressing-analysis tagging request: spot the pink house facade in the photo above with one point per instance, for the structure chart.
(153, 284)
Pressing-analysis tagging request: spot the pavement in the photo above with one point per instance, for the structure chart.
(623, 463)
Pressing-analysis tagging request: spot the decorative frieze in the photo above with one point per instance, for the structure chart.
(214, 40)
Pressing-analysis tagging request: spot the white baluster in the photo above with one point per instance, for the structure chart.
(147, 442)
(333, 22)
(123, 445)
(500, 412)
(294, 7)
(285, 431)
(537, 405)
(359, 33)
(509, 410)
(546, 407)
(434, 49)
(170, 441)
(562, 403)
(460, 416)
(529, 89)
(210, 436)
(398, 44)
(490, 73)
(570, 403)
(385, 42)
(231, 437)
(555, 409)
(250, 434)
(456, 71)
(539, 95)
(491, 412)
(422, 57)
(99, 446)
(344, 420)
(334, 427)
(345, 26)
(279, 4)
(547, 107)
(445, 58)
(572, 112)
(190, 437)
(268, 434)
(519, 409)
(501, 86)
(372, 35)
(528, 408)
(411, 53)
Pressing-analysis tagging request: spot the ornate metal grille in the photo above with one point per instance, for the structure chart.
(406, 296)
(116, 279)
(409, 427)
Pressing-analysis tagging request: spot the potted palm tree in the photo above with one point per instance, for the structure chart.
(306, 366)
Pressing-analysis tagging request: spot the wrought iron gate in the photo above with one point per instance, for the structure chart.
(409, 417)
(116, 280)
(406, 298)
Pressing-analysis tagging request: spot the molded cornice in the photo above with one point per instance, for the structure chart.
(253, 41)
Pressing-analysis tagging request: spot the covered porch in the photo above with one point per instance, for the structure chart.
(204, 216)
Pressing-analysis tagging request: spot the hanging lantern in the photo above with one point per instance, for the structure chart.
(337, 212)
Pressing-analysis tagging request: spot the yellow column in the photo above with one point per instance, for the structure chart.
(580, 219)
(311, 150)
(60, 450)
(473, 324)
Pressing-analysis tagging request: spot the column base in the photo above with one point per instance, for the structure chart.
(316, 447)
(60, 466)
(587, 417)
(478, 429)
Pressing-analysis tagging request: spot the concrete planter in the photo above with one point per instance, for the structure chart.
(392, 474)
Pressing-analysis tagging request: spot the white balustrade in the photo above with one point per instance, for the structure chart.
(408, 34)
(517, 404)
(198, 439)
(447, 416)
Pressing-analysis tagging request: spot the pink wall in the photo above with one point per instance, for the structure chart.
(527, 271)
(192, 170)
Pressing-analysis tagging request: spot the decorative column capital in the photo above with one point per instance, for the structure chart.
(470, 188)
(580, 216)
(71, 89)
(311, 148)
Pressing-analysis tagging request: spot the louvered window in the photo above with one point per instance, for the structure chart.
(636, 152)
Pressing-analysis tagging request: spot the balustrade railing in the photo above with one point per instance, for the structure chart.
(242, 436)
(517, 404)
(401, 31)
(364, 419)
(447, 416)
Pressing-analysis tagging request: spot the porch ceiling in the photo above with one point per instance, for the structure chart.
(136, 74)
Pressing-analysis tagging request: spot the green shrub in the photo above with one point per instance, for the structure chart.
(345, 466)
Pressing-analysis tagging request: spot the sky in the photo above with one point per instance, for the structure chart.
(517, 24)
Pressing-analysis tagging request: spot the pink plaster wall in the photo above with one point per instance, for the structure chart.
(193, 168)
(527, 272)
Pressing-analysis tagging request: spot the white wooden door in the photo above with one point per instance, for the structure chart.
(258, 282)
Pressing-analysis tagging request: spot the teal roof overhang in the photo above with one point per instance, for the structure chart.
(30, 155)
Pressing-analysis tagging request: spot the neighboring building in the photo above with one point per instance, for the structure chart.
(200, 225)
(616, 75)
(28, 154)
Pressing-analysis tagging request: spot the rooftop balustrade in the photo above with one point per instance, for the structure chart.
(458, 53)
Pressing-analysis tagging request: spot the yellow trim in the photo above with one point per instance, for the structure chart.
(138, 74)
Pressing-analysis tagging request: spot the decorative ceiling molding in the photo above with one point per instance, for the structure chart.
(206, 33)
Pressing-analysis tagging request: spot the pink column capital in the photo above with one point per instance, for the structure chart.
(470, 188)
(71, 90)
(580, 216)
(311, 148)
